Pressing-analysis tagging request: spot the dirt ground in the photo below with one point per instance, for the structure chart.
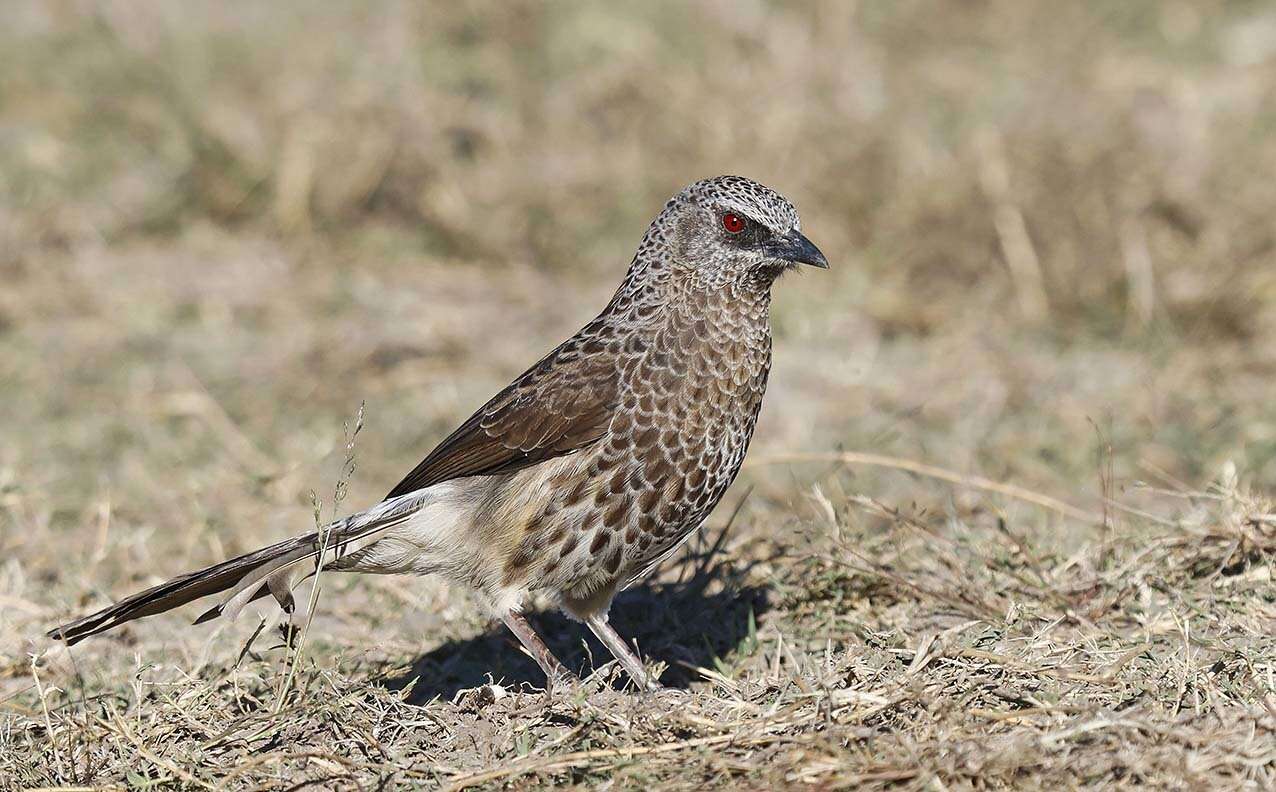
(1007, 521)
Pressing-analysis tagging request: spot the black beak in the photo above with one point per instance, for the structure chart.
(795, 248)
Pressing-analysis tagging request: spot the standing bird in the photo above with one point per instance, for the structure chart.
(590, 468)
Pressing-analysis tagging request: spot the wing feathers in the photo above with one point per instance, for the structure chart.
(558, 406)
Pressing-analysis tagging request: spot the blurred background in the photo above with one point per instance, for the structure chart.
(223, 226)
(226, 225)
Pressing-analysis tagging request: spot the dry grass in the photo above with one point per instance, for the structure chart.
(967, 556)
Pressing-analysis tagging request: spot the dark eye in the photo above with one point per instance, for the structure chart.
(733, 223)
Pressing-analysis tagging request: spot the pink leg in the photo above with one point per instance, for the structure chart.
(554, 670)
(621, 651)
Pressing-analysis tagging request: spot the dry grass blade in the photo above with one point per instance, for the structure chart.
(119, 726)
(931, 471)
(580, 758)
(324, 527)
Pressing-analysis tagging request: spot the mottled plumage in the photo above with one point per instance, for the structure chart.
(594, 464)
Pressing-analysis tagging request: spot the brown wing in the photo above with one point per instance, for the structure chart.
(561, 405)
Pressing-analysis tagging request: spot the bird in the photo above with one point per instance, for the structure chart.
(591, 467)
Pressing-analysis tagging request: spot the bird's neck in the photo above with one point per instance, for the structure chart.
(658, 296)
(668, 289)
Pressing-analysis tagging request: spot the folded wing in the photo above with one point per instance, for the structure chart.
(562, 404)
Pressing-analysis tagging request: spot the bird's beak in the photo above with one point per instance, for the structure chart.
(797, 249)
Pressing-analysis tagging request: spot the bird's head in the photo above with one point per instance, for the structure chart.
(730, 229)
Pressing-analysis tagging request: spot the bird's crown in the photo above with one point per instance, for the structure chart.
(756, 201)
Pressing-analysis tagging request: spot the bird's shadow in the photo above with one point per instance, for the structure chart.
(698, 610)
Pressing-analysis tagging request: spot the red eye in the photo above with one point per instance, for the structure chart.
(734, 223)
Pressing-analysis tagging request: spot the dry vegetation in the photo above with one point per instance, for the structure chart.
(1005, 523)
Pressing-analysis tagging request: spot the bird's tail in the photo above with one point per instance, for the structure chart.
(270, 570)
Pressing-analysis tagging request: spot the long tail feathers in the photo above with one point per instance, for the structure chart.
(270, 570)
